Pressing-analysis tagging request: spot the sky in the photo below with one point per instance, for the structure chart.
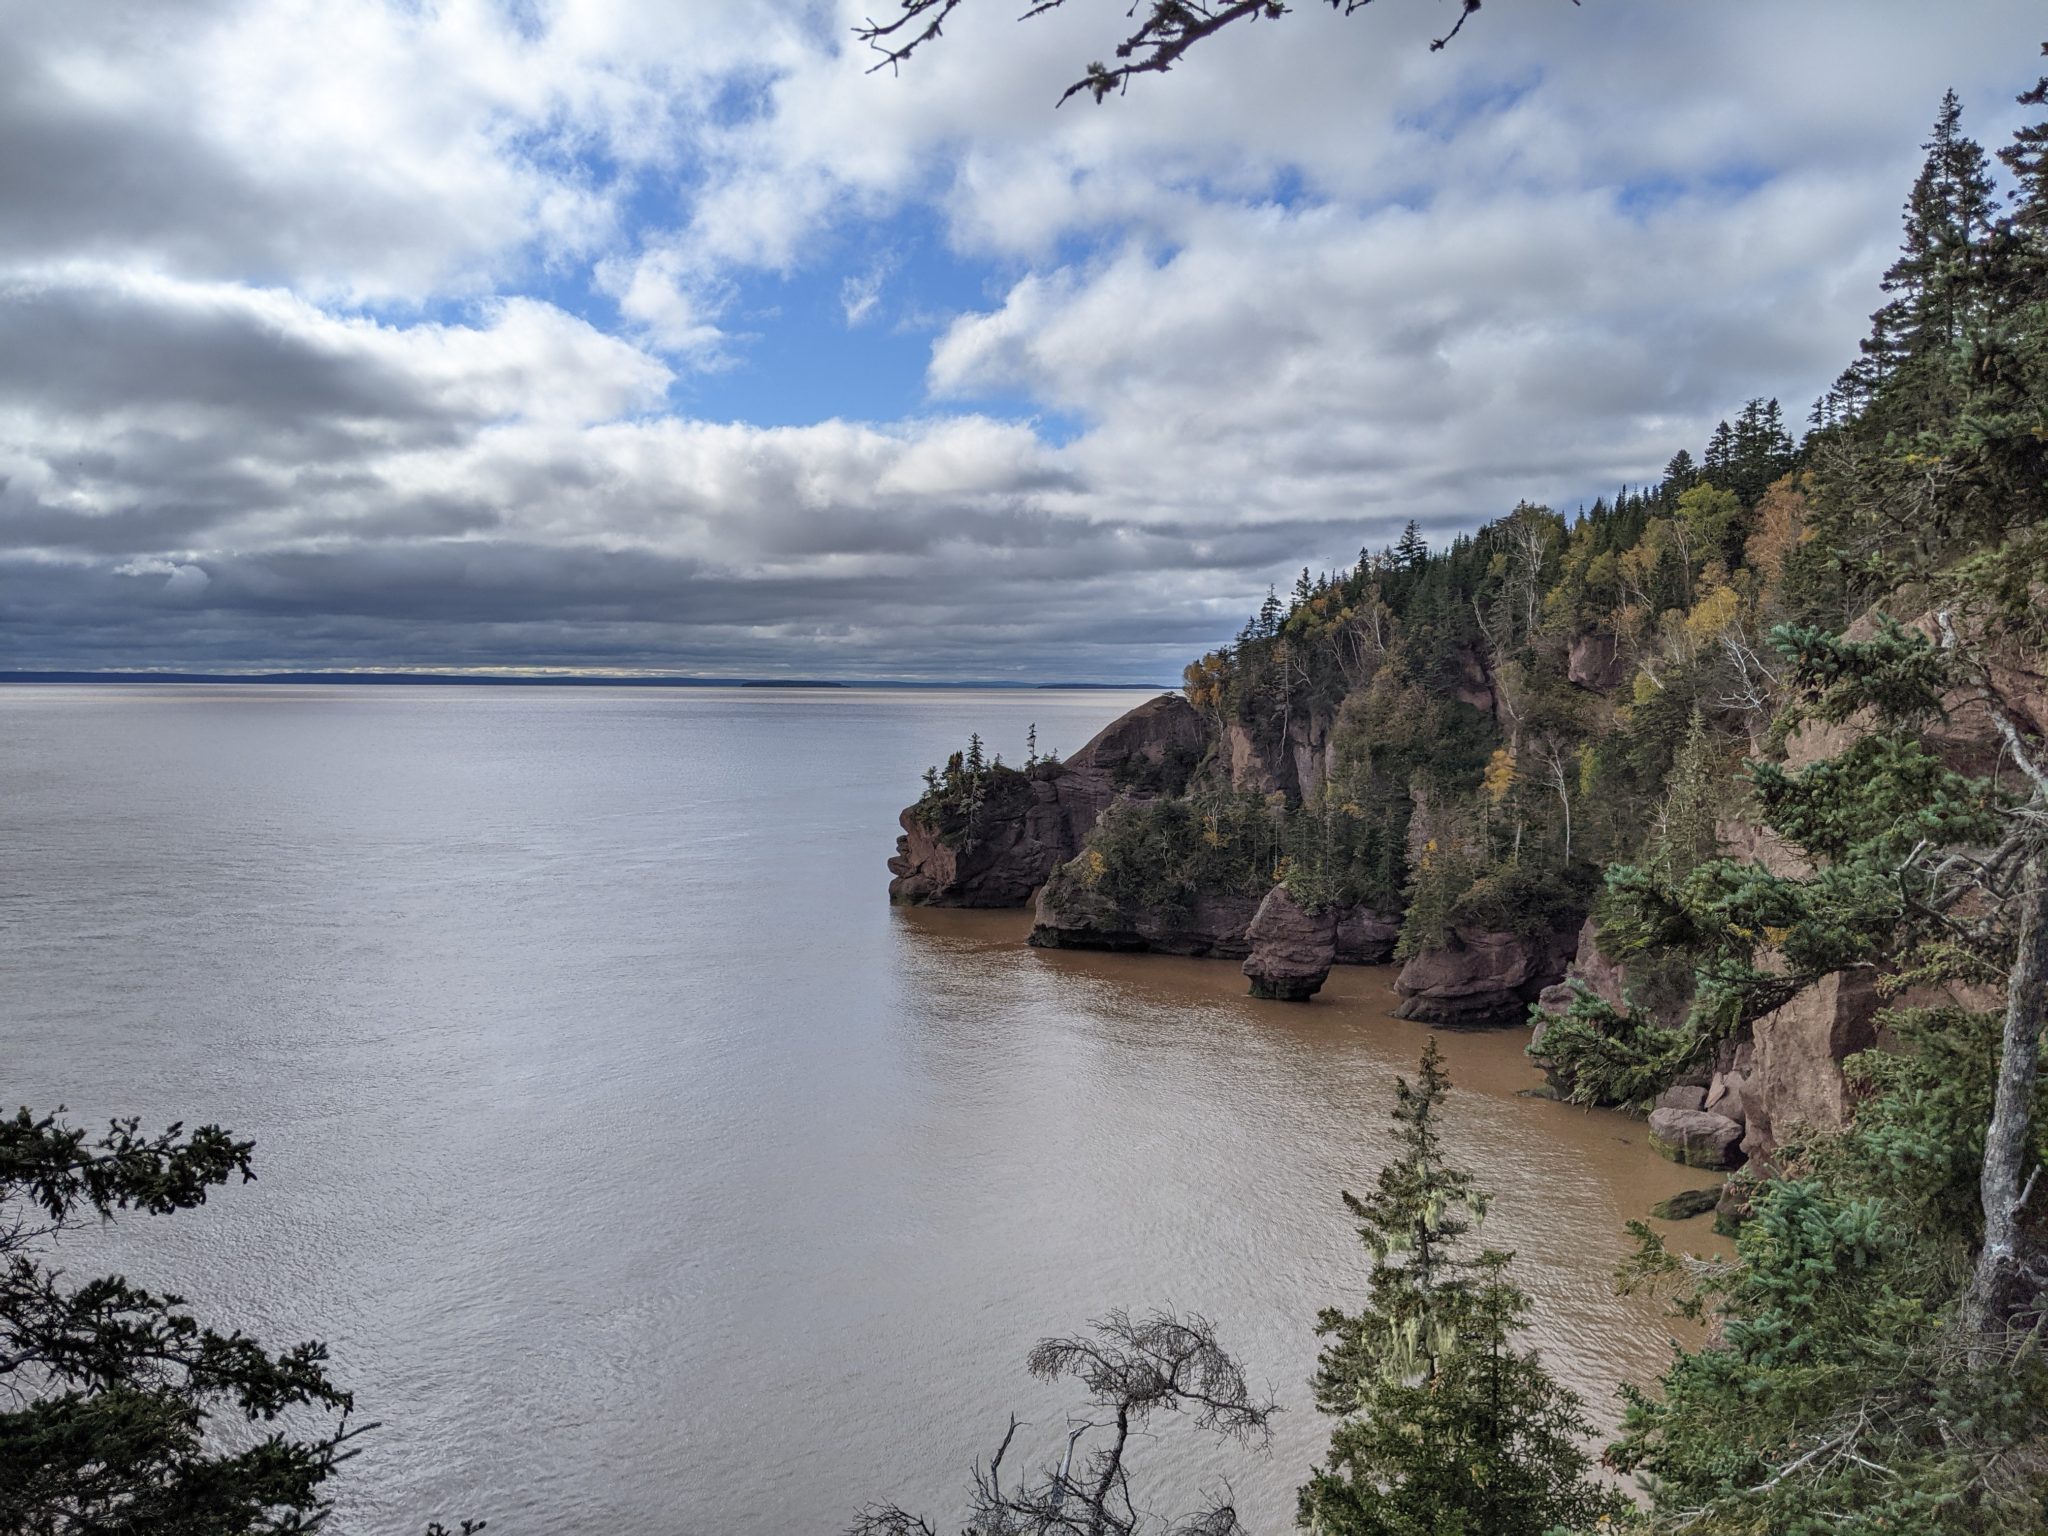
(630, 335)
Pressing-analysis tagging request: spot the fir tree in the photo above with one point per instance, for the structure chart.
(1948, 220)
(2027, 158)
(1446, 1429)
(1685, 836)
(1412, 550)
(1270, 613)
(1720, 454)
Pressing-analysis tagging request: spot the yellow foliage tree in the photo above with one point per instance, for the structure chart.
(1713, 613)
(1500, 775)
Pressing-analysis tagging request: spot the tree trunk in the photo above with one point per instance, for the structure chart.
(2003, 1182)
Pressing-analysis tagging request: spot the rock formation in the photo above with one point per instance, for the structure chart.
(1595, 661)
(1795, 1083)
(1696, 1137)
(1481, 978)
(1364, 937)
(1038, 819)
(1291, 949)
(1660, 991)
(1964, 737)
(1208, 925)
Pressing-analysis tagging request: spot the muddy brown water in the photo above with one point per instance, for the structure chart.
(645, 1170)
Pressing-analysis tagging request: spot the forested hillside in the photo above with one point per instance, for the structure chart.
(1740, 778)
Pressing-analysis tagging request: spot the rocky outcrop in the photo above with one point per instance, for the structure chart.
(1595, 662)
(1749, 843)
(1963, 737)
(1795, 1084)
(1037, 820)
(1207, 926)
(1248, 765)
(1292, 948)
(1024, 833)
(1474, 685)
(1295, 763)
(1783, 1082)
(1364, 937)
(1696, 1138)
(1664, 992)
(1481, 978)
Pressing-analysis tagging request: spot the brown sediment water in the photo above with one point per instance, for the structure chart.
(1275, 1107)
(645, 1171)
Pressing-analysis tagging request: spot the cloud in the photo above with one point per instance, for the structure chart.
(858, 296)
(363, 332)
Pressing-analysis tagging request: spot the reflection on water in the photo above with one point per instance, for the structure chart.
(648, 1173)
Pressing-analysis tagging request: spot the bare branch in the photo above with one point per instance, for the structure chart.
(1169, 28)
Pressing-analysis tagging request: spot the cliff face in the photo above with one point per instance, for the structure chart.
(1037, 819)
(1206, 925)
(1964, 737)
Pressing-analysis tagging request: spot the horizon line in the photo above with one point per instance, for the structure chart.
(388, 677)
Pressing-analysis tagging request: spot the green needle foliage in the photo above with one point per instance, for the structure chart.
(1446, 1428)
(121, 1414)
(1839, 1399)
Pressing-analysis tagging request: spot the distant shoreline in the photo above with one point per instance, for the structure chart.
(535, 680)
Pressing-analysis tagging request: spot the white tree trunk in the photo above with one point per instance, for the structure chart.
(2005, 1178)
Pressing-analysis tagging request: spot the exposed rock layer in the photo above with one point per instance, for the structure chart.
(1207, 925)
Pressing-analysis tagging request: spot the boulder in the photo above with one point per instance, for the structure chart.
(1688, 1203)
(1292, 949)
(1037, 819)
(1695, 1138)
(1681, 1096)
(1364, 937)
(1796, 1085)
(1478, 977)
(1725, 1096)
(1595, 662)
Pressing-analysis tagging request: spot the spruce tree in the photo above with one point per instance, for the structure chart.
(2027, 158)
(1720, 454)
(1935, 280)
(1413, 549)
(1446, 1429)
(1270, 613)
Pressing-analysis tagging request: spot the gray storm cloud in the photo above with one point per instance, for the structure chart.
(280, 382)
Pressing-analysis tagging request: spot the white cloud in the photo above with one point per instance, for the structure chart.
(859, 294)
(1261, 311)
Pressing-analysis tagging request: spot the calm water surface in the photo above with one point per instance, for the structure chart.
(645, 1171)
